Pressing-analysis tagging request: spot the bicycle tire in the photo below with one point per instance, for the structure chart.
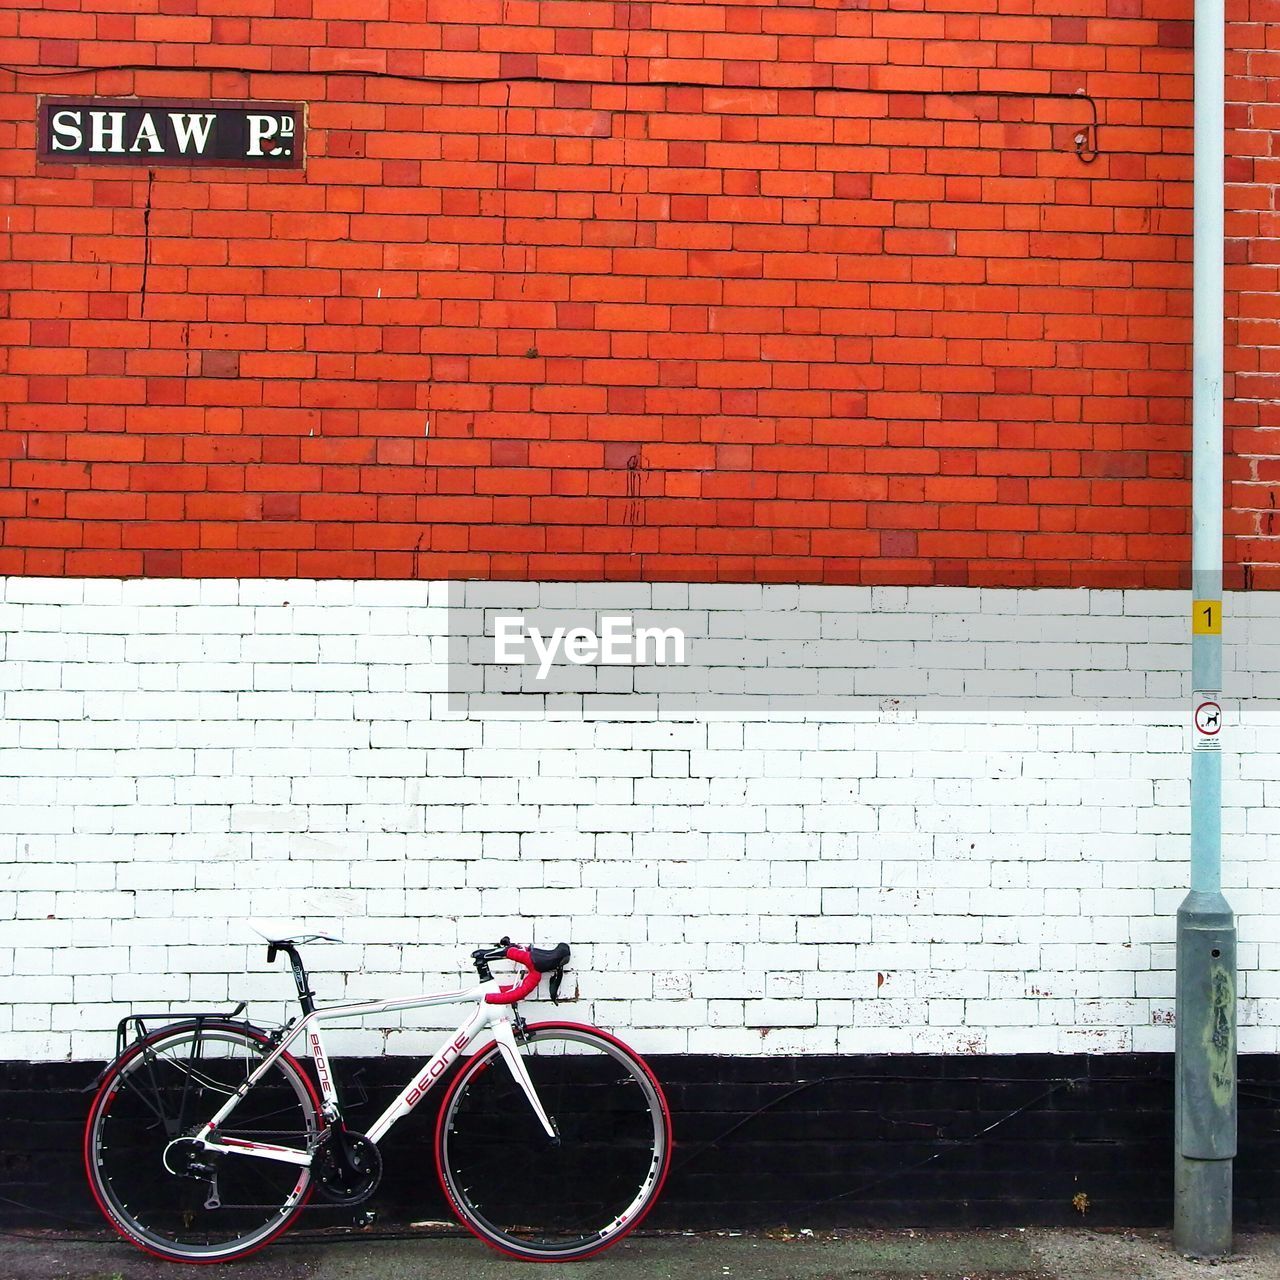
(515, 1189)
(170, 1084)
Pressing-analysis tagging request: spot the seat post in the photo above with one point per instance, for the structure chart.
(306, 997)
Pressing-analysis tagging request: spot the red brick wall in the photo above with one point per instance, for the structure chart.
(1253, 290)
(766, 329)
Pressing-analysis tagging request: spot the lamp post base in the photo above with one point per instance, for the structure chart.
(1205, 1077)
(1202, 1208)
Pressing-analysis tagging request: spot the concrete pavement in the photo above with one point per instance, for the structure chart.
(1032, 1254)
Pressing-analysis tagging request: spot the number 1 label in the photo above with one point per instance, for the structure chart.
(1206, 617)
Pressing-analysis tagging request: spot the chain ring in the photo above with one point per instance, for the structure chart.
(331, 1180)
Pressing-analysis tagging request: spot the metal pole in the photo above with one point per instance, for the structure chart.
(1205, 1067)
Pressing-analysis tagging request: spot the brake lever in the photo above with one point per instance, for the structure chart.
(553, 989)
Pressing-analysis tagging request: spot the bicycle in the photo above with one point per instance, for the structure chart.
(207, 1137)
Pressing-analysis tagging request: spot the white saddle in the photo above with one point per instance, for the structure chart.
(282, 931)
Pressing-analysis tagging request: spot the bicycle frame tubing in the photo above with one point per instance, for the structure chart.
(495, 1017)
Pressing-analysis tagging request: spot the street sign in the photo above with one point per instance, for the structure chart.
(252, 135)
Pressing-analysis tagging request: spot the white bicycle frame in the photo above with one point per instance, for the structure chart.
(496, 1018)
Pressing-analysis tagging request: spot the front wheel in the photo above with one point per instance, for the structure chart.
(550, 1201)
(167, 1197)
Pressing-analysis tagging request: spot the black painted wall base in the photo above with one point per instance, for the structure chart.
(811, 1141)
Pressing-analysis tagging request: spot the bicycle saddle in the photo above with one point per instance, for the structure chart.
(278, 933)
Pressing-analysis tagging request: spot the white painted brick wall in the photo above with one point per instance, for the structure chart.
(176, 756)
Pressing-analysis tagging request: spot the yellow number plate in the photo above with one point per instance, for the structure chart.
(1206, 617)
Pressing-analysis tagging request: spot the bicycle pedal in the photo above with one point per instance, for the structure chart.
(366, 1218)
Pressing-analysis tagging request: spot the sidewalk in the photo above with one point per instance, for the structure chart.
(1032, 1254)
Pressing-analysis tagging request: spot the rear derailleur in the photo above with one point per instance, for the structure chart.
(188, 1158)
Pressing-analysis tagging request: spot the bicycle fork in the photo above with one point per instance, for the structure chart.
(505, 1038)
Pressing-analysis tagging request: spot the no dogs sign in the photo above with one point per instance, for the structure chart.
(1206, 721)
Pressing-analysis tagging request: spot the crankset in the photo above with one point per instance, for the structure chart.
(347, 1167)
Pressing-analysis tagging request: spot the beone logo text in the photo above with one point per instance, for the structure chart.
(441, 1061)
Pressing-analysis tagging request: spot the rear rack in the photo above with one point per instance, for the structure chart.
(133, 1028)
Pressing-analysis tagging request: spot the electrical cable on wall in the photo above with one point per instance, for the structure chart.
(1086, 140)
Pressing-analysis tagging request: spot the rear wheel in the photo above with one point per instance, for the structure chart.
(171, 1198)
(553, 1201)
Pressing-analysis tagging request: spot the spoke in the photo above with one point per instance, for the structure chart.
(256, 1119)
(206, 1081)
(127, 1082)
